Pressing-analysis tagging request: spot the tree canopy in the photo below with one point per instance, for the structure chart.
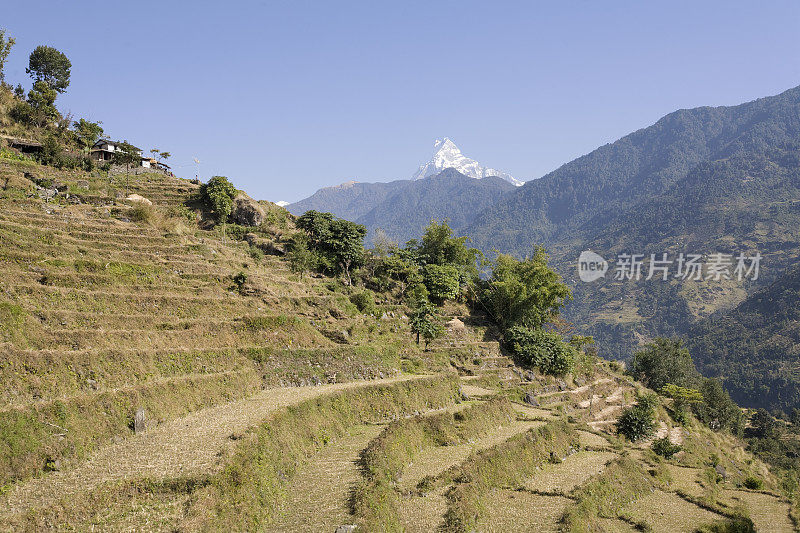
(87, 132)
(526, 293)
(662, 362)
(218, 195)
(339, 241)
(48, 65)
(6, 44)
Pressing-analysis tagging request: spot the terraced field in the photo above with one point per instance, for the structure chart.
(277, 405)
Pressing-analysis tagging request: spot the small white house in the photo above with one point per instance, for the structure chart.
(104, 150)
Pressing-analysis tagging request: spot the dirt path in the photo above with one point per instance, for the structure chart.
(186, 446)
(319, 494)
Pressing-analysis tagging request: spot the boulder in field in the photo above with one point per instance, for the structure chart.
(246, 211)
(456, 327)
(139, 421)
(530, 399)
(138, 199)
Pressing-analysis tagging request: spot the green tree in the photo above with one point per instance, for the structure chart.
(52, 151)
(316, 225)
(442, 282)
(41, 100)
(218, 195)
(527, 293)
(545, 350)
(763, 425)
(87, 132)
(423, 323)
(6, 44)
(637, 422)
(664, 361)
(48, 65)
(301, 259)
(340, 241)
(160, 155)
(346, 244)
(683, 400)
(717, 410)
(440, 247)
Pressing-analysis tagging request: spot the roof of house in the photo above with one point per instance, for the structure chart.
(23, 142)
(101, 142)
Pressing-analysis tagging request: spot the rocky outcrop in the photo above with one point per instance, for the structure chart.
(246, 211)
(138, 199)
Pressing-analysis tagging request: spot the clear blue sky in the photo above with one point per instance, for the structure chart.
(287, 97)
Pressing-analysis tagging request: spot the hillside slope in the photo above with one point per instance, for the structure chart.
(448, 195)
(350, 200)
(584, 194)
(108, 307)
(756, 346)
(700, 181)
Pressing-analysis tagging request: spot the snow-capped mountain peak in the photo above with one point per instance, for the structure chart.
(449, 156)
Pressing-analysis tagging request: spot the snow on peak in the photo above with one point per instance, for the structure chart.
(282, 203)
(449, 156)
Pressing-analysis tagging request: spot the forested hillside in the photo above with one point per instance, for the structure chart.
(401, 209)
(349, 200)
(447, 196)
(703, 181)
(755, 348)
(583, 195)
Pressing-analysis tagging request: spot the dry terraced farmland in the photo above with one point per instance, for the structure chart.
(278, 405)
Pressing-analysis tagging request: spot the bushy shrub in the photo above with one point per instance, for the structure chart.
(239, 280)
(21, 113)
(141, 213)
(256, 254)
(182, 212)
(665, 448)
(545, 350)
(365, 301)
(664, 361)
(637, 422)
(753, 483)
